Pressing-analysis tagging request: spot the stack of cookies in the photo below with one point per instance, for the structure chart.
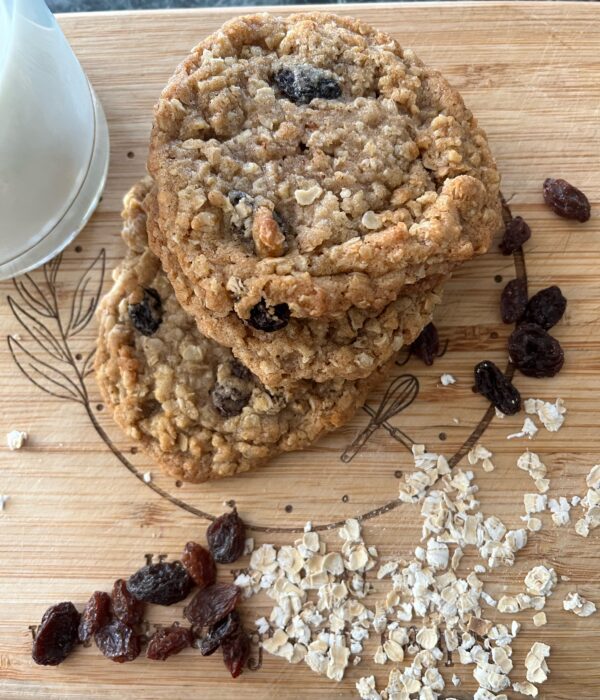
(311, 187)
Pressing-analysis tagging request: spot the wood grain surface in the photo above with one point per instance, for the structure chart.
(79, 514)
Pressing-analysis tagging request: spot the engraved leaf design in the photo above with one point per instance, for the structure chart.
(88, 364)
(33, 296)
(51, 270)
(38, 331)
(46, 377)
(86, 295)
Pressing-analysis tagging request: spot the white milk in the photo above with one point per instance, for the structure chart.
(53, 139)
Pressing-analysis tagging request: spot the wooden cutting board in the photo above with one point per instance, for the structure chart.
(79, 514)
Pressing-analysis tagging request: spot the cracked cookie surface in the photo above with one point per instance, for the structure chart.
(310, 164)
(186, 400)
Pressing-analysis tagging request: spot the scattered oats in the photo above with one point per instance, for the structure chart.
(483, 694)
(447, 379)
(262, 625)
(591, 504)
(526, 688)
(487, 598)
(579, 605)
(487, 465)
(308, 526)
(478, 453)
(539, 619)
(499, 413)
(479, 626)
(456, 421)
(565, 578)
(437, 554)
(427, 637)
(552, 415)
(490, 676)
(540, 581)
(534, 524)
(248, 546)
(3, 501)
(387, 569)
(455, 680)
(147, 477)
(380, 656)
(560, 511)
(508, 604)
(531, 463)
(393, 650)
(535, 502)
(16, 439)
(528, 430)
(535, 663)
(575, 501)
(366, 688)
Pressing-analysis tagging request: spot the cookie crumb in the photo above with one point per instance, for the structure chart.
(147, 477)
(16, 439)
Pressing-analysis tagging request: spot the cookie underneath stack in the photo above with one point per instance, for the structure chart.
(313, 186)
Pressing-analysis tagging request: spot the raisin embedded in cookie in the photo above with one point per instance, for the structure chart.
(307, 166)
(186, 400)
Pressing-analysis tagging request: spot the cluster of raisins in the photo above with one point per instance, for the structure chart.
(114, 621)
(532, 350)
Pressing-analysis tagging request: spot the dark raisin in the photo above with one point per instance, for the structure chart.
(513, 301)
(217, 633)
(229, 400)
(236, 650)
(546, 308)
(236, 196)
(163, 584)
(94, 616)
(125, 607)
(303, 83)
(427, 345)
(239, 370)
(282, 223)
(491, 383)
(56, 635)
(168, 641)
(517, 231)
(226, 537)
(118, 642)
(146, 316)
(199, 564)
(565, 200)
(151, 407)
(534, 352)
(212, 604)
(269, 318)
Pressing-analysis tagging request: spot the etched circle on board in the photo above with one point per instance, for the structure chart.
(51, 356)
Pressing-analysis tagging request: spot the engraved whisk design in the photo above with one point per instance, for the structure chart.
(399, 395)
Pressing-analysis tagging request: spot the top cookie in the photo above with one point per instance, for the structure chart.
(306, 165)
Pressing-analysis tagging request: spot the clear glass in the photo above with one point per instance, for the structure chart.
(53, 139)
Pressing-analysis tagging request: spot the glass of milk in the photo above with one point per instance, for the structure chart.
(53, 139)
